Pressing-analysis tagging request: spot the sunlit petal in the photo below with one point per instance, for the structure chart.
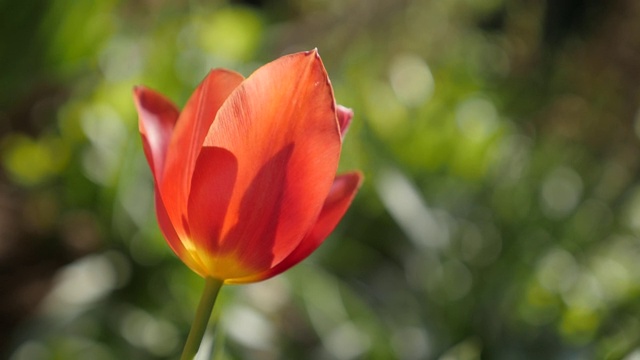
(281, 126)
(186, 142)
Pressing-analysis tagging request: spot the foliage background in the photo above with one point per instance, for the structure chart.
(500, 217)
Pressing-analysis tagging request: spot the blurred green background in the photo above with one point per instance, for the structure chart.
(500, 217)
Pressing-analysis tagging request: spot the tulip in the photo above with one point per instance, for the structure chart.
(245, 176)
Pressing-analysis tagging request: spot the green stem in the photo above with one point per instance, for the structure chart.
(211, 289)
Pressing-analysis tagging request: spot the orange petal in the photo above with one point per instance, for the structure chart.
(342, 193)
(157, 120)
(211, 188)
(158, 117)
(186, 142)
(281, 125)
(173, 239)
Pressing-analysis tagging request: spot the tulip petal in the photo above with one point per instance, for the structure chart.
(158, 117)
(211, 188)
(344, 119)
(226, 259)
(340, 197)
(173, 239)
(190, 131)
(281, 125)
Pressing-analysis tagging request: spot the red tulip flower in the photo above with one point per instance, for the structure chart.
(245, 176)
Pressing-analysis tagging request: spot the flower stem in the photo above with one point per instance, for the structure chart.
(211, 288)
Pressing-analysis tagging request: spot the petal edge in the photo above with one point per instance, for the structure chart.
(157, 118)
